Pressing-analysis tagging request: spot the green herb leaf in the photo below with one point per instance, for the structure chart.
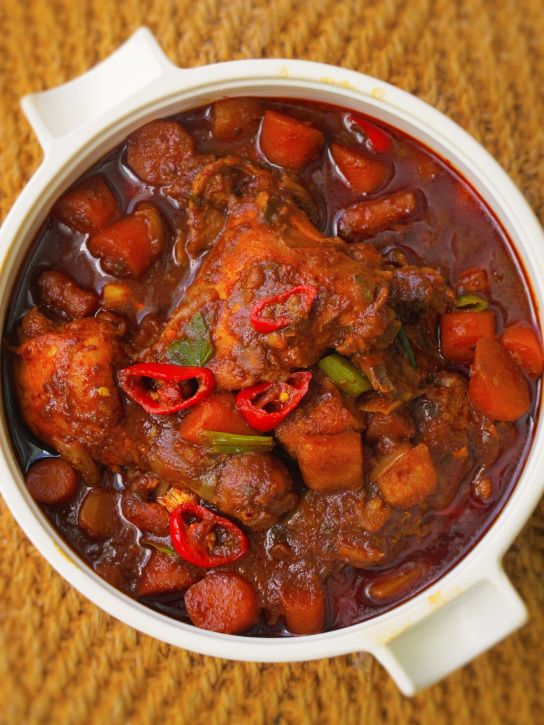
(407, 347)
(163, 548)
(235, 443)
(196, 349)
(339, 369)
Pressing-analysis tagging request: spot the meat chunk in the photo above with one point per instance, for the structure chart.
(65, 384)
(235, 117)
(322, 434)
(250, 262)
(60, 293)
(453, 433)
(255, 488)
(398, 425)
(34, 323)
(421, 289)
(331, 462)
(409, 478)
(344, 526)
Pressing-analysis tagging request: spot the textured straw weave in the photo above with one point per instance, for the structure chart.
(61, 659)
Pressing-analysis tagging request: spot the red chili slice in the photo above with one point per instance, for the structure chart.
(380, 141)
(204, 539)
(280, 398)
(157, 386)
(270, 324)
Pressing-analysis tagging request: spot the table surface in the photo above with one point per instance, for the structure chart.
(62, 660)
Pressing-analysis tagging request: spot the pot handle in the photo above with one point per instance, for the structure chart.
(454, 634)
(55, 113)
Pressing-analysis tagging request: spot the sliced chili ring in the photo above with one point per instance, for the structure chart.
(204, 539)
(378, 139)
(158, 388)
(280, 397)
(270, 324)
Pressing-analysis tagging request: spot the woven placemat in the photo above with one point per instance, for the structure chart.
(61, 659)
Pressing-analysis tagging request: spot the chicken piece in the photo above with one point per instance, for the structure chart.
(34, 323)
(66, 388)
(255, 488)
(252, 487)
(251, 262)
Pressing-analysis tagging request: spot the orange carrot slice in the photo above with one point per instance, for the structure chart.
(497, 388)
(523, 344)
(460, 331)
(288, 142)
(363, 173)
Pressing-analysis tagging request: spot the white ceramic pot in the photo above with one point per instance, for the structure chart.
(470, 608)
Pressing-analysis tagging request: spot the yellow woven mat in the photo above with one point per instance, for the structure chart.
(61, 659)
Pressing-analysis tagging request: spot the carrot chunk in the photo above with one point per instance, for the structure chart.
(164, 573)
(367, 218)
(218, 412)
(303, 609)
(60, 293)
(129, 246)
(157, 151)
(223, 602)
(88, 207)
(363, 173)
(234, 117)
(409, 478)
(52, 481)
(460, 331)
(288, 142)
(523, 344)
(496, 387)
(329, 462)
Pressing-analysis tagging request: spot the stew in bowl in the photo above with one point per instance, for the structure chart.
(274, 367)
